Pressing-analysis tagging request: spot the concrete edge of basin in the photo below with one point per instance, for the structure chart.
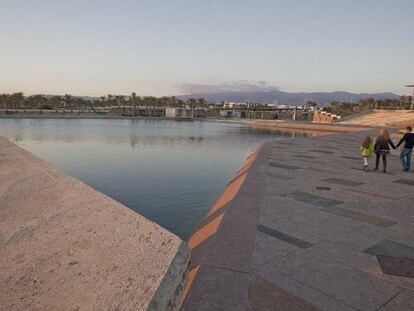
(203, 241)
(169, 295)
(27, 176)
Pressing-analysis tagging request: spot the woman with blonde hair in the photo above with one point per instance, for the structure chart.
(382, 148)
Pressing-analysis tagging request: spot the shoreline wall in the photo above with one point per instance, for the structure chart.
(65, 246)
(318, 128)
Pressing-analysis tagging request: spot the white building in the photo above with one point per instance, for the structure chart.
(231, 105)
(184, 113)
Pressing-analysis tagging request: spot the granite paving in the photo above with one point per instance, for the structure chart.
(284, 237)
(309, 229)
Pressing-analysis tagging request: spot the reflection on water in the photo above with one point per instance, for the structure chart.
(171, 172)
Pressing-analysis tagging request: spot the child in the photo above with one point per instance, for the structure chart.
(367, 149)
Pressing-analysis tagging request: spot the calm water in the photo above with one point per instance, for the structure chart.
(170, 172)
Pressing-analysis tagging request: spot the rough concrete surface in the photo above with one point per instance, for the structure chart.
(383, 118)
(65, 246)
(307, 228)
(314, 129)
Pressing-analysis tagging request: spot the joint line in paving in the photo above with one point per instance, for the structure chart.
(284, 237)
(369, 219)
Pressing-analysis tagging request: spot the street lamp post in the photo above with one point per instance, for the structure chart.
(412, 97)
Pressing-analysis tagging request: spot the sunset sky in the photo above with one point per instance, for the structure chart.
(173, 47)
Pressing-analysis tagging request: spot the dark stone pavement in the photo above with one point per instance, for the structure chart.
(310, 230)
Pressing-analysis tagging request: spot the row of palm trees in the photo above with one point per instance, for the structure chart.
(133, 102)
(68, 102)
(344, 108)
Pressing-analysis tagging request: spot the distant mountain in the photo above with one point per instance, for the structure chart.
(288, 98)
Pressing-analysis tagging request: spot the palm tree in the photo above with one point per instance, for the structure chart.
(148, 101)
(201, 102)
(17, 99)
(110, 99)
(133, 99)
(103, 101)
(68, 100)
(118, 102)
(191, 102)
(57, 101)
(180, 103)
(311, 103)
(4, 100)
(173, 101)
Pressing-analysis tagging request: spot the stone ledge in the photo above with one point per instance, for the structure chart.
(65, 246)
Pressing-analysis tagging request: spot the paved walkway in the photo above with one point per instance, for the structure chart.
(383, 118)
(302, 227)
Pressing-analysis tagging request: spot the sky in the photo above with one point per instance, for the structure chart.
(173, 47)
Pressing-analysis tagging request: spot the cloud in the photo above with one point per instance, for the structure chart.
(235, 86)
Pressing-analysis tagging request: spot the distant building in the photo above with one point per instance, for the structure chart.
(321, 116)
(231, 105)
(178, 113)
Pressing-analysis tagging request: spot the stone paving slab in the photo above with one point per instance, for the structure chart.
(354, 257)
(343, 283)
(313, 199)
(264, 296)
(343, 182)
(321, 151)
(300, 290)
(397, 266)
(284, 237)
(318, 214)
(269, 249)
(351, 158)
(402, 302)
(369, 219)
(283, 166)
(405, 182)
(310, 223)
(221, 289)
(391, 248)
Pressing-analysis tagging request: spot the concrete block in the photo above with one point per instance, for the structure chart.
(65, 246)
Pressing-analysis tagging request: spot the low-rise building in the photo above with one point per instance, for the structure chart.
(177, 113)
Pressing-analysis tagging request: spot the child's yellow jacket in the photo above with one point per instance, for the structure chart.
(367, 152)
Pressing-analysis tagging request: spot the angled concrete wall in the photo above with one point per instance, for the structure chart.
(65, 246)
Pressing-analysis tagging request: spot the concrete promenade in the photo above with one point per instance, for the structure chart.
(65, 246)
(397, 118)
(302, 227)
(316, 129)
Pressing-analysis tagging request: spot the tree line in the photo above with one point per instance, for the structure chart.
(344, 109)
(69, 102)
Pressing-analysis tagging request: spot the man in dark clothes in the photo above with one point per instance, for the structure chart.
(405, 155)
